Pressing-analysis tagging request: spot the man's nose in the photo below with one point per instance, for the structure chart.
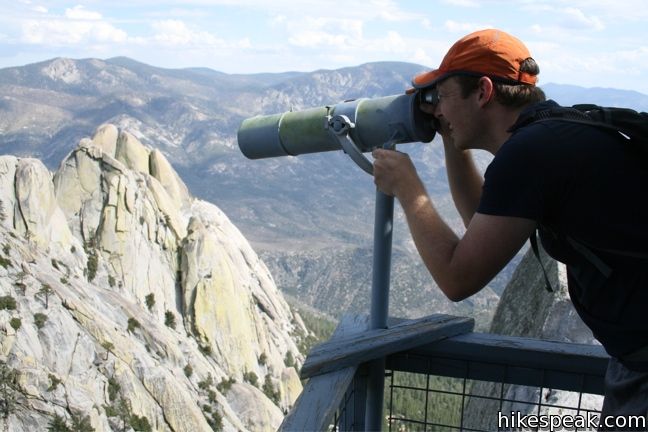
(436, 111)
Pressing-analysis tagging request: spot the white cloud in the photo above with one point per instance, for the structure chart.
(77, 26)
(317, 32)
(81, 13)
(421, 57)
(462, 3)
(278, 20)
(464, 27)
(177, 33)
(626, 10)
(389, 11)
(61, 32)
(598, 67)
(312, 39)
(575, 18)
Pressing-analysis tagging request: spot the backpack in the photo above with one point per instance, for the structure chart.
(631, 125)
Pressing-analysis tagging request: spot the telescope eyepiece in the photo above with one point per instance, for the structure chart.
(430, 95)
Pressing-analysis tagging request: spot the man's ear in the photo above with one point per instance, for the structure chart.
(486, 90)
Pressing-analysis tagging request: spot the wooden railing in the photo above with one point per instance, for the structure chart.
(441, 345)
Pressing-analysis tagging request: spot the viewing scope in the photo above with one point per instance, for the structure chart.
(355, 126)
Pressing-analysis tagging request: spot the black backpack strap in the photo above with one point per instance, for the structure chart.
(553, 113)
(583, 250)
(534, 245)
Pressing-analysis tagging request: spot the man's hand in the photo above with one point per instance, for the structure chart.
(395, 175)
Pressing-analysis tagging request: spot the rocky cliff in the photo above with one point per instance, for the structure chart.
(125, 303)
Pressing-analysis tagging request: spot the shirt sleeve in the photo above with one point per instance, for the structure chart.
(515, 182)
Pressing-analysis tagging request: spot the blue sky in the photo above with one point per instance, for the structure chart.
(593, 43)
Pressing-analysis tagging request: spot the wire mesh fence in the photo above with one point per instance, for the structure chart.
(431, 402)
(419, 402)
(351, 412)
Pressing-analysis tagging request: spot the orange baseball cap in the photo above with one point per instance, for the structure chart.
(491, 53)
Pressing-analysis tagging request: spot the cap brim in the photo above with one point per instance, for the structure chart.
(427, 79)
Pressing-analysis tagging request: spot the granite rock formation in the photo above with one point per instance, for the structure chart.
(126, 301)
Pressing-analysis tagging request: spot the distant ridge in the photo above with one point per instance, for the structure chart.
(566, 94)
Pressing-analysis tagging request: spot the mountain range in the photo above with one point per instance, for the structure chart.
(309, 217)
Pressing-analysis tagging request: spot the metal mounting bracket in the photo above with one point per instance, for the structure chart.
(339, 126)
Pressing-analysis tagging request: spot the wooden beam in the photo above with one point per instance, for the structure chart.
(508, 359)
(521, 351)
(339, 354)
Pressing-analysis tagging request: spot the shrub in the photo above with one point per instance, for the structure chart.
(111, 281)
(269, 390)
(169, 319)
(121, 409)
(113, 389)
(263, 359)
(289, 360)
(58, 424)
(93, 262)
(81, 424)
(188, 370)
(252, 378)
(7, 302)
(206, 383)
(10, 390)
(225, 385)
(108, 346)
(150, 301)
(54, 382)
(5, 262)
(211, 395)
(133, 324)
(15, 323)
(140, 423)
(215, 421)
(40, 319)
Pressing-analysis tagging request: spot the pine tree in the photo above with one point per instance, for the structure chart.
(58, 424)
(45, 292)
(10, 390)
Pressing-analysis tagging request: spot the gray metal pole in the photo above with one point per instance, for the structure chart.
(383, 229)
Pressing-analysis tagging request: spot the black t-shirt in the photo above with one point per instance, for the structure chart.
(587, 184)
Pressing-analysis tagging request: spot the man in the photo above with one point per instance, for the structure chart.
(581, 186)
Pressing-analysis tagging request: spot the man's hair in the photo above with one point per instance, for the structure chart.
(509, 95)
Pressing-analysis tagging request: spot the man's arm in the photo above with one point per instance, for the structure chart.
(464, 179)
(460, 267)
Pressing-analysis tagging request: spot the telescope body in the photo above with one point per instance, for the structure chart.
(374, 122)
